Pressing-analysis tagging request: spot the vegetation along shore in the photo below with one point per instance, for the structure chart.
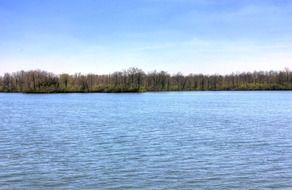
(136, 80)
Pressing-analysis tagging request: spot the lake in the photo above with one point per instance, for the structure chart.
(171, 140)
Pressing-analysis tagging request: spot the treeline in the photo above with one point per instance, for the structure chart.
(136, 80)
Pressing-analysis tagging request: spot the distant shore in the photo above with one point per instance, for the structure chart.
(135, 80)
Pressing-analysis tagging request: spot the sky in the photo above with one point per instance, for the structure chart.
(103, 36)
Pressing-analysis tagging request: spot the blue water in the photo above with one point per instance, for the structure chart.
(174, 140)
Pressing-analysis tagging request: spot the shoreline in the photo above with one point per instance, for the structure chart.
(142, 92)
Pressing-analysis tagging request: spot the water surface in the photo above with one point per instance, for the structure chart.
(173, 140)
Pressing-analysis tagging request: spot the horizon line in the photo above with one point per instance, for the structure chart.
(285, 69)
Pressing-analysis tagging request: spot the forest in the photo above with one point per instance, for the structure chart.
(136, 80)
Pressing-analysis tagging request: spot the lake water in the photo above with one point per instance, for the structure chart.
(173, 140)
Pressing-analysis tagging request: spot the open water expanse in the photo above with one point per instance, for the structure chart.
(171, 140)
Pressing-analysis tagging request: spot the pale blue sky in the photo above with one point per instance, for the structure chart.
(102, 36)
